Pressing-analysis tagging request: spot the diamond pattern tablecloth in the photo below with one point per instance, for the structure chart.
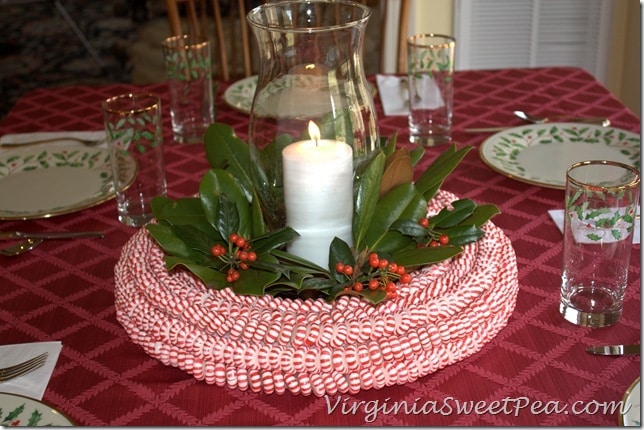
(535, 372)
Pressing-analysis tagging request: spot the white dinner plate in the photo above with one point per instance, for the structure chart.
(239, 95)
(631, 412)
(541, 154)
(39, 182)
(22, 411)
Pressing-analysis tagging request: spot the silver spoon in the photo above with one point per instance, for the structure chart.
(20, 247)
(604, 122)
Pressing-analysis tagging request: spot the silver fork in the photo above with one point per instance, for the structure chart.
(23, 368)
(86, 142)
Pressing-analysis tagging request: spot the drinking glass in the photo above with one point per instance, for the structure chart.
(430, 66)
(135, 139)
(189, 70)
(600, 210)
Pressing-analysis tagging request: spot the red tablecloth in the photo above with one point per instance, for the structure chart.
(535, 372)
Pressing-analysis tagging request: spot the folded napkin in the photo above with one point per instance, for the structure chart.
(558, 217)
(18, 138)
(393, 94)
(32, 384)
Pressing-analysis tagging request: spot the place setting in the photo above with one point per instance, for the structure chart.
(25, 370)
(539, 154)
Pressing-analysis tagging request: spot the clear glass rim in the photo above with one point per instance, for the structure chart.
(151, 101)
(251, 16)
(415, 40)
(630, 184)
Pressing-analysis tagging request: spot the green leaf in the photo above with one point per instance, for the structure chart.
(219, 182)
(482, 214)
(389, 209)
(274, 239)
(228, 220)
(253, 282)
(300, 264)
(340, 252)
(211, 277)
(463, 234)
(431, 179)
(366, 198)
(415, 258)
(461, 209)
(224, 150)
(416, 154)
(394, 241)
(168, 240)
(184, 211)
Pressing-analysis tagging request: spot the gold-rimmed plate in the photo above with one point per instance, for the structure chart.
(40, 182)
(16, 410)
(631, 414)
(540, 154)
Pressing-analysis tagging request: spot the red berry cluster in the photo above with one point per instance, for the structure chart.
(382, 275)
(237, 256)
(435, 239)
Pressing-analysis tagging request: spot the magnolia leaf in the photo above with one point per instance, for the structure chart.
(253, 282)
(389, 145)
(340, 252)
(366, 198)
(299, 264)
(227, 221)
(463, 234)
(409, 228)
(218, 182)
(398, 171)
(387, 211)
(274, 239)
(393, 242)
(461, 209)
(482, 214)
(211, 278)
(168, 240)
(266, 171)
(284, 286)
(432, 178)
(416, 154)
(414, 258)
(257, 224)
(184, 211)
(224, 150)
(198, 242)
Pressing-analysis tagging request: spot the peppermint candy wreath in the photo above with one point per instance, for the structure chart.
(448, 312)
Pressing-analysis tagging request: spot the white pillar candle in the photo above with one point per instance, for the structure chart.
(318, 194)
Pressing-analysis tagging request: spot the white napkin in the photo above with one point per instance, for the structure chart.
(32, 384)
(557, 216)
(41, 135)
(394, 96)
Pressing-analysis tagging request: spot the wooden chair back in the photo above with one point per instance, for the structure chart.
(401, 34)
(228, 45)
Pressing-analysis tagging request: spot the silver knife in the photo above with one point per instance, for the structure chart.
(604, 122)
(6, 235)
(614, 350)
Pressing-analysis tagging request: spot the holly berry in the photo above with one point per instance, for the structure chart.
(424, 222)
(443, 239)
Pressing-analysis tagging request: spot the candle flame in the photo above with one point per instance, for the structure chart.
(314, 132)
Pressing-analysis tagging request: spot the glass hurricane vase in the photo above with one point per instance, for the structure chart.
(310, 70)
